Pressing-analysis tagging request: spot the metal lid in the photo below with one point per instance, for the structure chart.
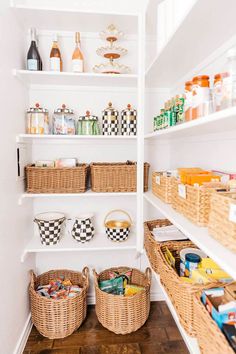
(129, 110)
(37, 109)
(193, 257)
(88, 117)
(63, 109)
(110, 109)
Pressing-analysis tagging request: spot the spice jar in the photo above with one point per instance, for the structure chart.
(188, 101)
(220, 97)
(200, 96)
(128, 121)
(37, 120)
(63, 121)
(88, 125)
(110, 122)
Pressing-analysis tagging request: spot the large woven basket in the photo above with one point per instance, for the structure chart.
(210, 338)
(196, 205)
(57, 180)
(121, 314)
(58, 318)
(220, 227)
(161, 186)
(116, 177)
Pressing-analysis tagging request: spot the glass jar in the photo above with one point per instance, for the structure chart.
(229, 82)
(201, 96)
(129, 121)
(188, 101)
(88, 125)
(37, 120)
(63, 121)
(220, 97)
(110, 122)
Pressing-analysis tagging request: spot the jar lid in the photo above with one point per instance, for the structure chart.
(110, 109)
(200, 77)
(129, 109)
(37, 109)
(188, 84)
(193, 257)
(63, 109)
(221, 76)
(88, 117)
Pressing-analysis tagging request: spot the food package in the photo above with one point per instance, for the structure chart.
(44, 163)
(132, 289)
(126, 276)
(113, 286)
(70, 162)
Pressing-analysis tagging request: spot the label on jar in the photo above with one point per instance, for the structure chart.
(200, 95)
(182, 191)
(32, 64)
(188, 100)
(232, 212)
(77, 65)
(55, 64)
(158, 180)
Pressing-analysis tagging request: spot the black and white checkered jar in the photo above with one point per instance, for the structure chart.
(83, 229)
(49, 227)
(117, 230)
(128, 121)
(110, 121)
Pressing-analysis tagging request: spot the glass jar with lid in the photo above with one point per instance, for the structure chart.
(201, 96)
(188, 101)
(63, 121)
(110, 122)
(37, 120)
(88, 125)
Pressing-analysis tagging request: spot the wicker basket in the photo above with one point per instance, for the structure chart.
(161, 186)
(180, 293)
(121, 314)
(210, 338)
(196, 204)
(220, 227)
(58, 318)
(116, 177)
(57, 180)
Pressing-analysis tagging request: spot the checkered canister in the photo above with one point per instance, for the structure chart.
(117, 235)
(117, 229)
(128, 121)
(110, 121)
(49, 231)
(83, 230)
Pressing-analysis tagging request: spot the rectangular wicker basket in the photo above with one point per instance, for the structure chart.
(116, 177)
(210, 338)
(220, 226)
(57, 180)
(196, 204)
(180, 293)
(161, 186)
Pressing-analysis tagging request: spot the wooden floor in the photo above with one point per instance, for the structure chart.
(159, 335)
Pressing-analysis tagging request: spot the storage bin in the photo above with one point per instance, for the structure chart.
(161, 186)
(193, 202)
(118, 313)
(116, 177)
(58, 318)
(221, 225)
(57, 179)
(210, 338)
(180, 293)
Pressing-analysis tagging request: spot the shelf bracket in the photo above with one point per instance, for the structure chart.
(24, 256)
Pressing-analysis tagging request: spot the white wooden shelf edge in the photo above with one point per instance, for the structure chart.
(190, 342)
(29, 137)
(100, 242)
(206, 124)
(199, 235)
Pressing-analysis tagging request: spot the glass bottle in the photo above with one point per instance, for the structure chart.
(77, 57)
(55, 56)
(34, 62)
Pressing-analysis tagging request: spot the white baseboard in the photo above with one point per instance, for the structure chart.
(24, 336)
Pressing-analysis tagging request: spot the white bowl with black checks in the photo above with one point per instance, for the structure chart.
(83, 229)
(117, 230)
(49, 225)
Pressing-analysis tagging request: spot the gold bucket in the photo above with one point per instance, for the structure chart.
(117, 230)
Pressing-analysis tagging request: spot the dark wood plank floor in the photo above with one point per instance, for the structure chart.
(159, 335)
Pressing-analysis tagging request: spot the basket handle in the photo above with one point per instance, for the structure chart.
(148, 274)
(85, 272)
(32, 278)
(95, 276)
(119, 211)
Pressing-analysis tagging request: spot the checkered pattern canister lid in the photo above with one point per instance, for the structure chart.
(129, 113)
(110, 112)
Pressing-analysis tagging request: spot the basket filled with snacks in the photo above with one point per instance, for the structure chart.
(122, 298)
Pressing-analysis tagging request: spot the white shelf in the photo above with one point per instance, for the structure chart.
(100, 242)
(88, 194)
(182, 53)
(75, 79)
(190, 342)
(76, 138)
(217, 122)
(199, 235)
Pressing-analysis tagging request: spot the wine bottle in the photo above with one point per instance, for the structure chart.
(34, 61)
(77, 57)
(55, 56)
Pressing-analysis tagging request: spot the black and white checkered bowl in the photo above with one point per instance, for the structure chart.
(118, 230)
(49, 225)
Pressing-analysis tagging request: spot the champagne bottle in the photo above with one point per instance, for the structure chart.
(77, 57)
(34, 61)
(55, 56)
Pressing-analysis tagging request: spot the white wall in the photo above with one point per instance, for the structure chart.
(14, 219)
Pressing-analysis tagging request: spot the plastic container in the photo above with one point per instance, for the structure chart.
(219, 91)
(201, 96)
(37, 120)
(63, 121)
(183, 254)
(192, 261)
(229, 82)
(188, 101)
